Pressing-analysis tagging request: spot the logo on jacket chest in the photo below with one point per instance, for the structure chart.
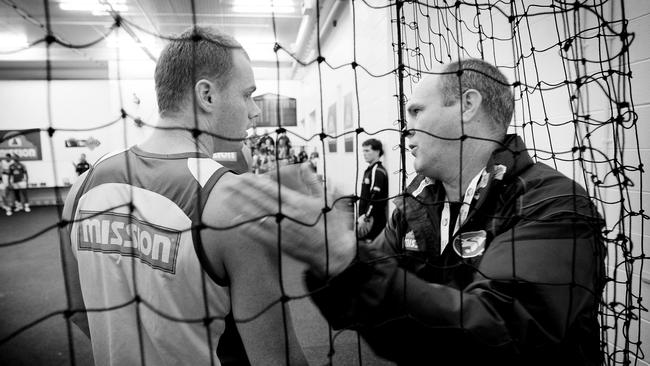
(409, 241)
(470, 244)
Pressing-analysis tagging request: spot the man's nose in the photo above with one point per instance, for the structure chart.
(408, 132)
(254, 113)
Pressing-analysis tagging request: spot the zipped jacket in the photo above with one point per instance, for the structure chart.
(519, 282)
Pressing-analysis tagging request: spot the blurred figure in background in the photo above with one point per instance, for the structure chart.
(373, 207)
(18, 180)
(82, 165)
(5, 189)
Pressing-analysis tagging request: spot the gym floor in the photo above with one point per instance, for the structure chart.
(32, 288)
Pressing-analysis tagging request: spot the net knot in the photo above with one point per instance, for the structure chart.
(51, 131)
(196, 132)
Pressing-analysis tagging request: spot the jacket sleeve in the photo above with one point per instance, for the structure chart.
(534, 280)
(378, 189)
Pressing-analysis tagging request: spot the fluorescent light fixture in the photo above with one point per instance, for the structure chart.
(263, 52)
(96, 7)
(264, 6)
(13, 41)
(132, 49)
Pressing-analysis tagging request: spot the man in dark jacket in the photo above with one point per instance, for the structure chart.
(490, 257)
(373, 207)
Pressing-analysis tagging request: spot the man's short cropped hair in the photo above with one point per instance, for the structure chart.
(197, 53)
(375, 145)
(498, 100)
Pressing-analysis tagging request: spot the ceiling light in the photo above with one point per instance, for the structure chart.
(264, 6)
(96, 7)
(13, 41)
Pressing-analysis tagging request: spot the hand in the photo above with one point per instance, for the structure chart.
(303, 224)
(364, 225)
(298, 177)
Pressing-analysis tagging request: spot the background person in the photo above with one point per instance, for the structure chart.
(5, 193)
(4, 202)
(4, 165)
(373, 205)
(162, 202)
(491, 258)
(82, 165)
(18, 181)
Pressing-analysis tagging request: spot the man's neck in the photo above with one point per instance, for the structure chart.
(174, 136)
(455, 186)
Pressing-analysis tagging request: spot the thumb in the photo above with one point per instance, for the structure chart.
(311, 180)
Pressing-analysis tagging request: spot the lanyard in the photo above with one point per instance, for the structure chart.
(462, 215)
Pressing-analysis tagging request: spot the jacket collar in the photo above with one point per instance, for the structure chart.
(513, 155)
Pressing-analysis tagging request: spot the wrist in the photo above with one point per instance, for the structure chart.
(342, 251)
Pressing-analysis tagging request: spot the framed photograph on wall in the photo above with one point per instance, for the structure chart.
(311, 122)
(349, 143)
(348, 112)
(331, 128)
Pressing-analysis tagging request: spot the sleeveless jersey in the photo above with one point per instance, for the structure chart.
(135, 237)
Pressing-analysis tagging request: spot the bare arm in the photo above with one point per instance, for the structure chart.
(70, 269)
(264, 324)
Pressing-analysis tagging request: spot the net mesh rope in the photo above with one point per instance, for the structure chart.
(591, 42)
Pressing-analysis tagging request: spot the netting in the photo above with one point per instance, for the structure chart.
(569, 67)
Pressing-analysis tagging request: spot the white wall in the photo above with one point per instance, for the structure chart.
(73, 105)
(86, 104)
(377, 106)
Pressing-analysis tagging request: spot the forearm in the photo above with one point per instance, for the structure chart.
(506, 317)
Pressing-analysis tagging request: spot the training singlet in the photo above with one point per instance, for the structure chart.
(141, 277)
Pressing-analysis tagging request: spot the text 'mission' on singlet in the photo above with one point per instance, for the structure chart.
(133, 236)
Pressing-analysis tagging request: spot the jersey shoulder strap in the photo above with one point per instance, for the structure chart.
(198, 225)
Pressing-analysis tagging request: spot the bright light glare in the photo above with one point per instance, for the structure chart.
(13, 41)
(264, 6)
(97, 7)
(264, 9)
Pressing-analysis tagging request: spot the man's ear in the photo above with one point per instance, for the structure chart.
(205, 92)
(471, 104)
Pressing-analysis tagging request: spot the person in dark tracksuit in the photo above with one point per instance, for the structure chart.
(373, 207)
(489, 258)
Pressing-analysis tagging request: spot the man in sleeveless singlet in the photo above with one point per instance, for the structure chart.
(148, 258)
